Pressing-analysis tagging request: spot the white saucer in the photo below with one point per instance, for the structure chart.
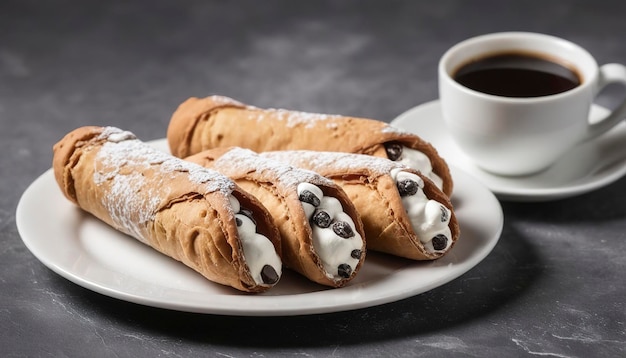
(587, 167)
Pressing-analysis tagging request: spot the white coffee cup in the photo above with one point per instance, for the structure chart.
(520, 136)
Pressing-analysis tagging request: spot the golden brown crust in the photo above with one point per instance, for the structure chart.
(217, 121)
(275, 187)
(182, 127)
(155, 198)
(65, 152)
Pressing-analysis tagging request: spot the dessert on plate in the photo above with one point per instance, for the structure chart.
(404, 213)
(217, 121)
(321, 232)
(187, 212)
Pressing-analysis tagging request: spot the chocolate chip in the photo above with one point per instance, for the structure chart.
(307, 196)
(356, 254)
(321, 219)
(269, 275)
(247, 213)
(440, 242)
(344, 270)
(444, 214)
(407, 187)
(394, 150)
(239, 222)
(343, 229)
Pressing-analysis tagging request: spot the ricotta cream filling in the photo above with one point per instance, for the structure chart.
(429, 218)
(258, 250)
(335, 238)
(419, 161)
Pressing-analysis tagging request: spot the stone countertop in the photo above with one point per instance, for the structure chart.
(553, 286)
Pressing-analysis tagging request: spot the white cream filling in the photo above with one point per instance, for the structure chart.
(333, 250)
(419, 161)
(258, 250)
(429, 218)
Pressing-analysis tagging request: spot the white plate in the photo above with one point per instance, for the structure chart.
(91, 254)
(587, 167)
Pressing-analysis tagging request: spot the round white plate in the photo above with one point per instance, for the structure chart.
(89, 253)
(587, 167)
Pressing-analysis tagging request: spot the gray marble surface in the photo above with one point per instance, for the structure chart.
(554, 286)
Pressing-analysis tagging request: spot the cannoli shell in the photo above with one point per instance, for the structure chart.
(217, 121)
(175, 207)
(275, 185)
(370, 186)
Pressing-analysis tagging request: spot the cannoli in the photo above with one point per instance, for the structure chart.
(218, 121)
(403, 212)
(187, 212)
(321, 232)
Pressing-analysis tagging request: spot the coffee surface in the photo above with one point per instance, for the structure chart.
(517, 75)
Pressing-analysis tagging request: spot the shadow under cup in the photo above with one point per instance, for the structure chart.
(515, 102)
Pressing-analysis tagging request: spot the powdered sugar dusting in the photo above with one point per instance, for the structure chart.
(334, 161)
(113, 134)
(394, 130)
(343, 162)
(239, 160)
(293, 118)
(224, 100)
(122, 161)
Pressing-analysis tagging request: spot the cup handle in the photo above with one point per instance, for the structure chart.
(609, 73)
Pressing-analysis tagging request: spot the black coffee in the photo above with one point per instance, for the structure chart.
(517, 75)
